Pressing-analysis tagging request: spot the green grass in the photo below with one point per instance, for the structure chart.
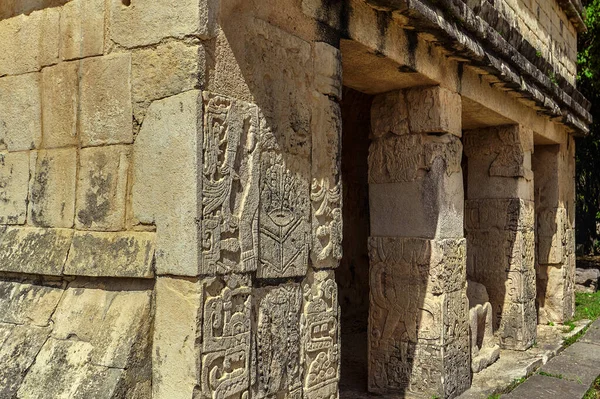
(587, 306)
(495, 396)
(594, 391)
(559, 376)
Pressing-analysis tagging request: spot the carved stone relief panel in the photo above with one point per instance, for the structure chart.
(418, 307)
(226, 338)
(284, 216)
(230, 186)
(326, 187)
(320, 336)
(278, 366)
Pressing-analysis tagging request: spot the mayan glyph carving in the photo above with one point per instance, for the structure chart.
(484, 346)
(327, 223)
(230, 186)
(414, 313)
(410, 157)
(284, 223)
(226, 338)
(320, 336)
(278, 365)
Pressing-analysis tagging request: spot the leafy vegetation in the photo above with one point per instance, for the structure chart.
(587, 306)
(588, 148)
(594, 391)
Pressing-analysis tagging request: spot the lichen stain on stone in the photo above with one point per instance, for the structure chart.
(97, 203)
(39, 190)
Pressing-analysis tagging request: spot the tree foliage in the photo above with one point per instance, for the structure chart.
(588, 148)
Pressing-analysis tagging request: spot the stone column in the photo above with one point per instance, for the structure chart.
(418, 328)
(500, 228)
(554, 169)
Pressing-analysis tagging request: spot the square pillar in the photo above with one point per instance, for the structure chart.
(418, 320)
(499, 214)
(554, 169)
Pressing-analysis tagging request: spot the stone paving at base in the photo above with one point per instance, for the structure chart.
(567, 376)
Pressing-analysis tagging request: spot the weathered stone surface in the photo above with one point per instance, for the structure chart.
(19, 346)
(82, 29)
(484, 346)
(509, 214)
(587, 278)
(105, 102)
(230, 186)
(551, 224)
(52, 192)
(60, 92)
(14, 187)
(389, 114)
(31, 304)
(177, 325)
(579, 363)
(102, 188)
(65, 368)
(122, 254)
(278, 341)
(434, 109)
(163, 71)
(416, 186)
(111, 321)
(320, 331)
(541, 387)
(29, 42)
(34, 250)
(328, 69)
(226, 338)
(172, 18)
(165, 192)
(20, 112)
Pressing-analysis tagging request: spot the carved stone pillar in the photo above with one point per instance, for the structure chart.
(554, 168)
(500, 228)
(418, 321)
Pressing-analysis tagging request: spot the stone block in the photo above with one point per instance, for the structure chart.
(105, 102)
(551, 232)
(34, 250)
(508, 214)
(552, 294)
(24, 303)
(165, 192)
(102, 188)
(389, 114)
(18, 349)
(14, 187)
(52, 192)
(230, 192)
(328, 69)
(517, 330)
(60, 92)
(111, 321)
(29, 42)
(278, 341)
(434, 110)
(176, 355)
(82, 29)
(20, 112)
(65, 366)
(166, 70)
(171, 18)
(227, 343)
(122, 254)
(320, 335)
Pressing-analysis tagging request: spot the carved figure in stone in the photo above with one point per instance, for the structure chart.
(230, 186)
(278, 343)
(226, 334)
(327, 216)
(284, 226)
(484, 346)
(320, 341)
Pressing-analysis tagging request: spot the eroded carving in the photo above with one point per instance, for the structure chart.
(320, 336)
(484, 347)
(226, 328)
(327, 224)
(230, 186)
(278, 342)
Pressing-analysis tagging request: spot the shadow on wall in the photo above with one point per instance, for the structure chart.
(11, 8)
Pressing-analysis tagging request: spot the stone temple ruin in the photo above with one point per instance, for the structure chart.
(246, 199)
